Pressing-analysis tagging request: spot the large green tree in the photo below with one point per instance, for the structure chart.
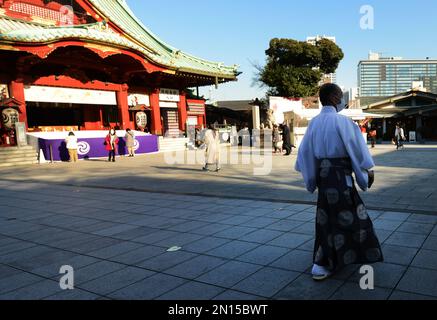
(295, 68)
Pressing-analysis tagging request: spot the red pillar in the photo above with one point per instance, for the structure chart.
(156, 113)
(182, 109)
(123, 107)
(204, 114)
(92, 118)
(17, 92)
(101, 119)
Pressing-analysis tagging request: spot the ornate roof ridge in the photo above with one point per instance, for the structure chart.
(136, 37)
(128, 10)
(173, 55)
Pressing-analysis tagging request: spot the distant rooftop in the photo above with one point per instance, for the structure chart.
(314, 39)
(236, 105)
(378, 57)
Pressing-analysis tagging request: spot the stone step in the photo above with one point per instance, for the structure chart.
(172, 139)
(16, 150)
(172, 150)
(172, 146)
(5, 157)
(161, 143)
(15, 158)
(14, 164)
(169, 144)
(15, 147)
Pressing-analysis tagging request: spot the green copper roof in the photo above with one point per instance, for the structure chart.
(119, 13)
(19, 31)
(139, 38)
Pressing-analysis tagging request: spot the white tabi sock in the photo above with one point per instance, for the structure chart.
(319, 271)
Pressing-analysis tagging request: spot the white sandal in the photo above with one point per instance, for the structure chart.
(321, 277)
(320, 273)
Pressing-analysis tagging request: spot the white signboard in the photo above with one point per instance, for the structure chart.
(412, 135)
(20, 131)
(281, 105)
(139, 99)
(69, 95)
(172, 105)
(169, 95)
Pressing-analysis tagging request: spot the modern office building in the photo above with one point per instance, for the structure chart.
(327, 78)
(381, 77)
(351, 97)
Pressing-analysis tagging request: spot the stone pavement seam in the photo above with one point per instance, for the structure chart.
(126, 265)
(392, 289)
(406, 269)
(201, 194)
(397, 229)
(407, 292)
(36, 275)
(412, 260)
(108, 260)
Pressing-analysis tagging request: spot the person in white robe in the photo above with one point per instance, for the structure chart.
(331, 151)
(212, 152)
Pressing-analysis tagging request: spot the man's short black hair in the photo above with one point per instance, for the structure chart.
(330, 94)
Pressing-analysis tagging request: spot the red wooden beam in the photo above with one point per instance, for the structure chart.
(63, 81)
(43, 50)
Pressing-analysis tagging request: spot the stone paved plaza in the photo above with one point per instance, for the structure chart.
(405, 180)
(113, 223)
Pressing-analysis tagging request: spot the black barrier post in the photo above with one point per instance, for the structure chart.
(51, 153)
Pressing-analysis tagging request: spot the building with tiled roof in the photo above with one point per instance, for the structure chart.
(92, 64)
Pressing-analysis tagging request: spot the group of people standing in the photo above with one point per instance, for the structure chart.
(286, 139)
(112, 141)
(111, 144)
(211, 140)
(331, 154)
(398, 140)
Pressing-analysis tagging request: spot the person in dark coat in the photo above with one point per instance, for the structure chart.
(286, 138)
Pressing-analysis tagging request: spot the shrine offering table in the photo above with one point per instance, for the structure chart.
(91, 145)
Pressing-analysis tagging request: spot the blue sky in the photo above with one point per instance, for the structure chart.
(239, 31)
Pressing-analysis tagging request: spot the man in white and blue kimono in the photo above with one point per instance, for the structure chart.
(332, 150)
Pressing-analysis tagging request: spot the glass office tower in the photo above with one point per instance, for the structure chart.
(383, 77)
